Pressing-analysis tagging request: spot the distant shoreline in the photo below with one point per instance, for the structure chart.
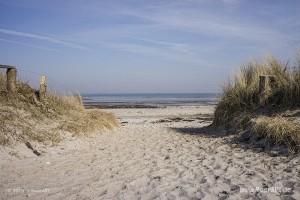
(107, 106)
(111, 101)
(113, 105)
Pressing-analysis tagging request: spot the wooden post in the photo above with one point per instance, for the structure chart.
(266, 83)
(262, 84)
(43, 87)
(11, 81)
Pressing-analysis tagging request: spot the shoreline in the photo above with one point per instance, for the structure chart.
(119, 105)
(148, 100)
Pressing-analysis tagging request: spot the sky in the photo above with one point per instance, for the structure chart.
(143, 46)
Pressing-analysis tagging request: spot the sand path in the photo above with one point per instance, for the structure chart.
(147, 160)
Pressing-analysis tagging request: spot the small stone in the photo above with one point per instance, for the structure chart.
(250, 173)
(235, 188)
(288, 170)
(203, 180)
(223, 195)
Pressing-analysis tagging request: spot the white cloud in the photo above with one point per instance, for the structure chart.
(28, 45)
(171, 46)
(44, 38)
(191, 20)
(158, 52)
(231, 1)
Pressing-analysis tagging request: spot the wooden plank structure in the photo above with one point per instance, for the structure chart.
(43, 88)
(11, 78)
(266, 83)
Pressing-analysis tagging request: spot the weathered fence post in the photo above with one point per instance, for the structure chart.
(11, 80)
(266, 83)
(43, 87)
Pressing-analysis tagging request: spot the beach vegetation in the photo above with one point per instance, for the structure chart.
(23, 117)
(240, 106)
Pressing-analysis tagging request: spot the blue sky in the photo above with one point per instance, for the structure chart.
(143, 45)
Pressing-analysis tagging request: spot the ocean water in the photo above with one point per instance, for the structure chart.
(155, 100)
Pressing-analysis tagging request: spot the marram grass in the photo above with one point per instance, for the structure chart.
(277, 129)
(240, 100)
(24, 118)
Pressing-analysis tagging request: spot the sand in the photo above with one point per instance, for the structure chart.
(162, 153)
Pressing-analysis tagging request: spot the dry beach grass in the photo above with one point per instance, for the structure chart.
(171, 152)
(240, 104)
(24, 118)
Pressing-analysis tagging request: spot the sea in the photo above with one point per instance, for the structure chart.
(149, 100)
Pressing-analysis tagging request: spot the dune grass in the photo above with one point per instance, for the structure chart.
(240, 101)
(87, 122)
(23, 117)
(277, 129)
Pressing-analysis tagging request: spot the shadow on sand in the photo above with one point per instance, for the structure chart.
(244, 140)
(207, 131)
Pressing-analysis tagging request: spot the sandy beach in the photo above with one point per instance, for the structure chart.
(161, 153)
(149, 100)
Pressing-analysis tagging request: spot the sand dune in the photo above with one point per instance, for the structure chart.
(155, 154)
